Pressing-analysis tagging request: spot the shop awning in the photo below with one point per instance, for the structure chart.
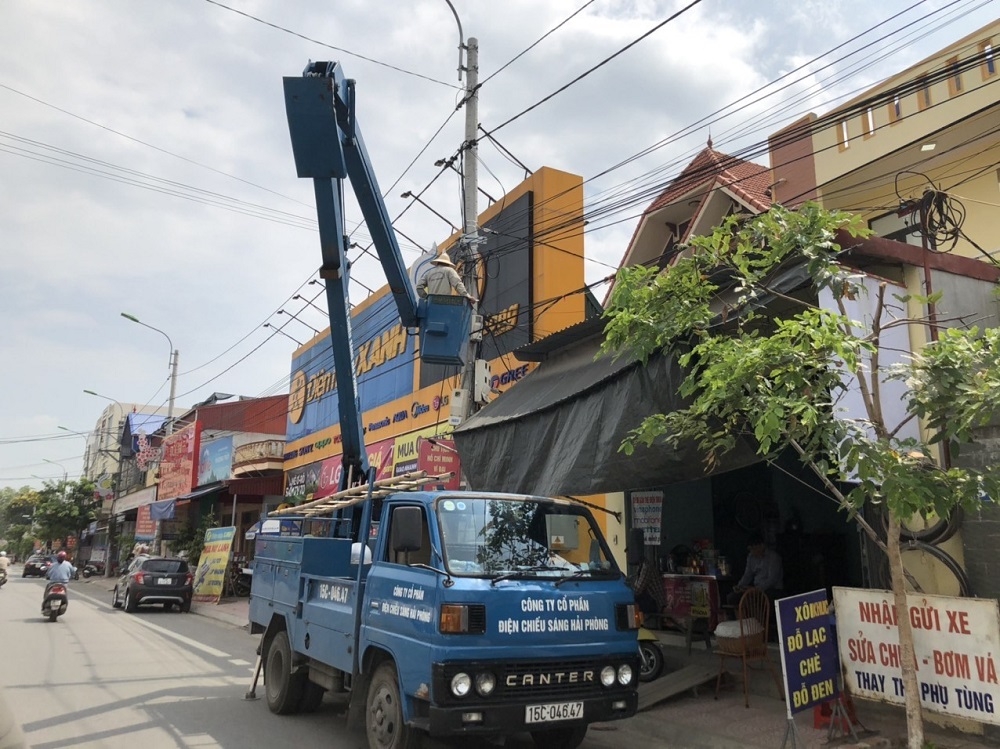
(558, 430)
(200, 492)
(274, 526)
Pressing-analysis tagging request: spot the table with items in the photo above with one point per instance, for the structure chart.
(692, 602)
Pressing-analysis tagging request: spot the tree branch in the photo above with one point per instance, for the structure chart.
(852, 514)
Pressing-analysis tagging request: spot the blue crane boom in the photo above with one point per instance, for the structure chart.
(328, 149)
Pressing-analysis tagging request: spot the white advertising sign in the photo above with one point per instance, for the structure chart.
(956, 645)
(647, 509)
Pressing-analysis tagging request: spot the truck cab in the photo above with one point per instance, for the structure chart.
(478, 614)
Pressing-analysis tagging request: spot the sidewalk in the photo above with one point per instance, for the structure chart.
(694, 719)
(697, 720)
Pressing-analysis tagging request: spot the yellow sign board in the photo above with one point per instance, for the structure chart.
(210, 579)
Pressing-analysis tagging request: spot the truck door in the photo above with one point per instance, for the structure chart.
(402, 600)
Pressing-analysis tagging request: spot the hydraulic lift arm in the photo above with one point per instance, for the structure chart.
(328, 148)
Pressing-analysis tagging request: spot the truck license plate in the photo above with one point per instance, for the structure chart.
(553, 711)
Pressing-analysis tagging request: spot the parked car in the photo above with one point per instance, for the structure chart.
(152, 580)
(37, 565)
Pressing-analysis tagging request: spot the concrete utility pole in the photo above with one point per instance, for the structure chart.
(471, 239)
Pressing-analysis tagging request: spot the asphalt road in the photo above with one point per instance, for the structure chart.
(99, 677)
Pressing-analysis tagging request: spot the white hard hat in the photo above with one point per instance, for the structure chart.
(443, 259)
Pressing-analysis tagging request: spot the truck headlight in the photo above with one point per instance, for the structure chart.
(625, 675)
(460, 684)
(608, 676)
(485, 683)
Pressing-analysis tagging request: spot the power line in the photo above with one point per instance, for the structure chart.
(330, 46)
(601, 64)
(148, 144)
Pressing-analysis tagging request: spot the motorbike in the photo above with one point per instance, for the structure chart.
(3, 578)
(56, 600)
(650, 656)
(239, 581)
(93, 568)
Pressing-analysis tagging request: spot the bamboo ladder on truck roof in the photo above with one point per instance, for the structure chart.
(351, 496)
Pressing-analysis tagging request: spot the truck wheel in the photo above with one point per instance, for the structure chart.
(283, 688)
(384, 715)
(650, 661)
(559, 738)
(312, 697)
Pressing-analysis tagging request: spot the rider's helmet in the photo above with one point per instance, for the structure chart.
(61, 556)
(3, 553)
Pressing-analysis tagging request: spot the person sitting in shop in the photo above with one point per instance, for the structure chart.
(649, 589)
(763, 571)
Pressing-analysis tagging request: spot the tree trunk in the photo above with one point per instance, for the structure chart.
(914, 717)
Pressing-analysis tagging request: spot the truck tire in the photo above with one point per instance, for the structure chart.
(559, 738)
(650, 661)
(384, 712)
(282, 687)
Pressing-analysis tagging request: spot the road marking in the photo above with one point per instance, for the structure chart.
(240, 662)
(181, 638)
(165, 632)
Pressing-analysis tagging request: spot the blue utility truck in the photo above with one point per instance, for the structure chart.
(449, 613)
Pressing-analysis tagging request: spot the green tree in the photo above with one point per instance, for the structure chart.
(17, 510)
(64, 509)
(775, 379)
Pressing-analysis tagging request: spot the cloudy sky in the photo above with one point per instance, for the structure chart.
(145, 165)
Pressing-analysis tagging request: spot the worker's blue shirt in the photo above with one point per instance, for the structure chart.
(61, 572)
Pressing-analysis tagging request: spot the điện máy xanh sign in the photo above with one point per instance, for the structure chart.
(956, 643)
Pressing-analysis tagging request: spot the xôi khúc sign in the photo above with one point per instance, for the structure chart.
(808, 650)
(956, 644)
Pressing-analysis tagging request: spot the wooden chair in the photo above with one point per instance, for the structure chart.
(754, 619)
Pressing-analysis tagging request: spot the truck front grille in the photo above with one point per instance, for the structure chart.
(531, 680)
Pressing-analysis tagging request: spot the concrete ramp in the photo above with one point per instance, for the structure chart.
(688, 677)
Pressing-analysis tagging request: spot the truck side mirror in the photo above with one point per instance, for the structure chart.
(636, 546)
(407, 529)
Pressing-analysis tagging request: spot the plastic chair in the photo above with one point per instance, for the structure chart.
(750, 646)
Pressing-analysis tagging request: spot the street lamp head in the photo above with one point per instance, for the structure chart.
(127, 316)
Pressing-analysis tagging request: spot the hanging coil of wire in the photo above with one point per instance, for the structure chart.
(941, 220)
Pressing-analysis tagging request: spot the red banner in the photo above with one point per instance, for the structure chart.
(439, 458)
(145, 526)
(179, 464)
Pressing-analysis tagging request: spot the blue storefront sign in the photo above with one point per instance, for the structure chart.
(810, 664)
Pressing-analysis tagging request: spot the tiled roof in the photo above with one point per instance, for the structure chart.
(748, 180)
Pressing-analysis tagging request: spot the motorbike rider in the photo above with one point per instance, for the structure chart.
(4, 562)
(62, 571)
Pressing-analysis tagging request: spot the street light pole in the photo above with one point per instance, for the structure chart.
(290, 314)
(276, 329)
(65, 472)
(172, 365)
(174, 356)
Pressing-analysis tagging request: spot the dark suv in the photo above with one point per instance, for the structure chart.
(37, 565)
(149, 580)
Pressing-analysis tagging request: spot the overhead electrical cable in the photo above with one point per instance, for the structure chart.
(540, 39)
(331, 46)
(599, 65)
(150, 145)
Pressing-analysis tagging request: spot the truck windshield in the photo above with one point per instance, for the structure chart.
(514, 538)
